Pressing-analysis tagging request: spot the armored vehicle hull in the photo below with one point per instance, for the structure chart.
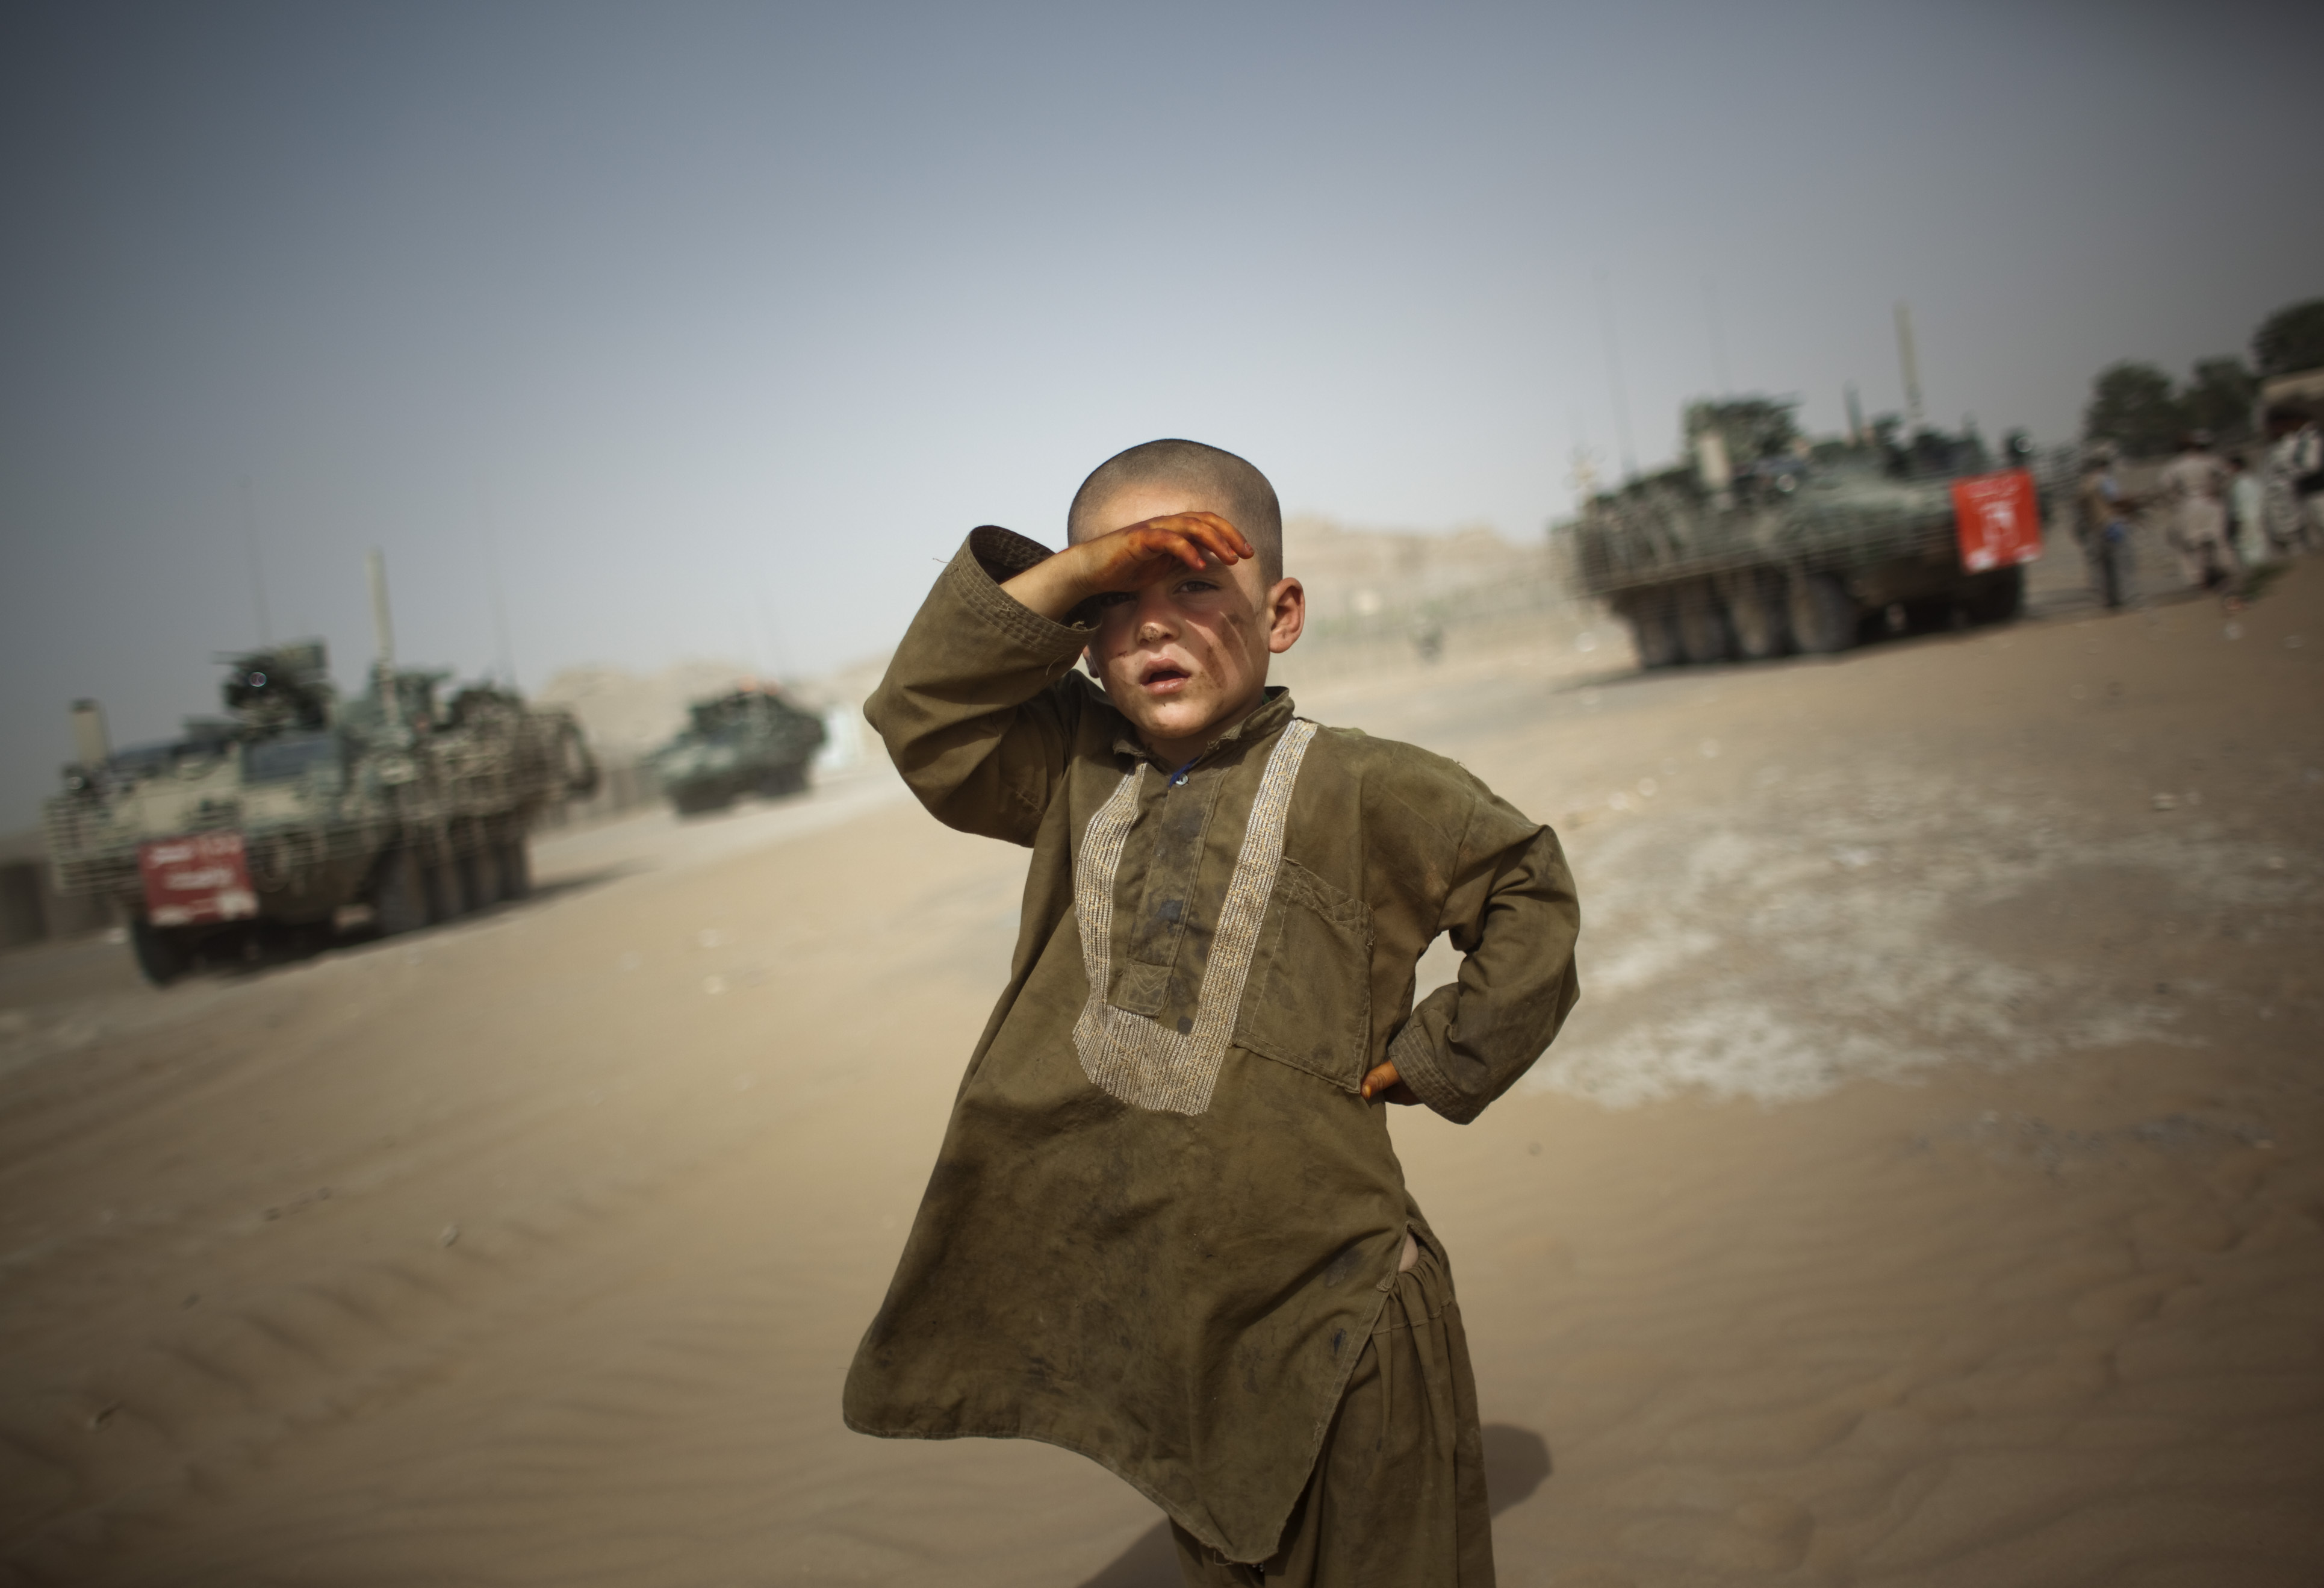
(270, 824)
(1798, 556)
(750, 741)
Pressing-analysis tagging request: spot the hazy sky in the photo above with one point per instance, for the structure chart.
(721, 324)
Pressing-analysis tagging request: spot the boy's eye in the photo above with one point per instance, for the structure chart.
(1197, 586)
(1112, 597)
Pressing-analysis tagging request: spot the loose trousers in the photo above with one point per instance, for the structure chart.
(2205, 556)
(1397, 1496)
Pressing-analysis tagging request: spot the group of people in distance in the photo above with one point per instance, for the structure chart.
(2225, 517)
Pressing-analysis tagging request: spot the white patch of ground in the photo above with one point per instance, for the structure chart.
(1825, 930)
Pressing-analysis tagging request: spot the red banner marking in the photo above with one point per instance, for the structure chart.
(201, 877)
(1997, 518)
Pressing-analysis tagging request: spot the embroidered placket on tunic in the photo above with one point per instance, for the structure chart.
(1132, 1055)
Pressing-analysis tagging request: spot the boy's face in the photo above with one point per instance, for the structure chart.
(1186, 657)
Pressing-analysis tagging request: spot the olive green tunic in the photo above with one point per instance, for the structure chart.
(1164, 1220)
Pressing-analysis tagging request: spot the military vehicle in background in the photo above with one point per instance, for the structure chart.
(1799, 547)
(264, 823)
(751, 741)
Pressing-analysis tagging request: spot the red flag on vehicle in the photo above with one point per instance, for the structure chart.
(1997, 518)
(200, 877)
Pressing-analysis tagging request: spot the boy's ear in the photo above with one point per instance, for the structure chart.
(1286, 614)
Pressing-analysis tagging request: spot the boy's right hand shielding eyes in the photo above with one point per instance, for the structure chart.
(1133, 558)
(1130, 559)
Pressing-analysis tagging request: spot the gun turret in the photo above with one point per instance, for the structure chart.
(279, 688)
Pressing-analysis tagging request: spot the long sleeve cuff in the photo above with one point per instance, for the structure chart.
(1414, 1052)
(991, 554)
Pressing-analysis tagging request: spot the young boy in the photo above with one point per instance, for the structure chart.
(1167, 1228)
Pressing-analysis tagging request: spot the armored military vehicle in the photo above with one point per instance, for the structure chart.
(1797, 549)
(751, 741)
(267, 822)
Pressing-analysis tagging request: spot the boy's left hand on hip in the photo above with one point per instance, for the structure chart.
(1384, 1082)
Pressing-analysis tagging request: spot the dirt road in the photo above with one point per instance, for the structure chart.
(1927, 1189)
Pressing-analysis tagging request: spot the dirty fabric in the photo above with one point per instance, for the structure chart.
(1396, 1499)
(1164, 1221)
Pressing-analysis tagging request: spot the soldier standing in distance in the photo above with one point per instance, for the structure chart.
(2196, 485)
(2102, 526)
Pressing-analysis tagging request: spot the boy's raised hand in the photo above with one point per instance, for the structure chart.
(1129, 559)
(1133, 558)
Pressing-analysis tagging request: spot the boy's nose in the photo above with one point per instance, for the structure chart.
(1156, 620)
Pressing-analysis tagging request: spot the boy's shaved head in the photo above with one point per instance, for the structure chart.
(1215, 481)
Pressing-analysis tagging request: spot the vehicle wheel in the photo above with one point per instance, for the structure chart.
(480, 877)
(1755, 615)
(1653, 632)
(1702, 634)
(576, 768)
(162, 953)
(447, 899)
(1995, 598)
(697, 799)
(299, 940)
(399, 903)
(516, 869)
(1929, 617)
(1823, 615)
(783, 781)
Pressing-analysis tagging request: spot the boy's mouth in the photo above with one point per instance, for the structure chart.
(1162, 677)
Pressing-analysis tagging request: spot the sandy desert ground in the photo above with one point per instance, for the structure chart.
(1927, 1190)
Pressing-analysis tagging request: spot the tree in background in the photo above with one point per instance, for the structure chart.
(2219, 398)
(2290, 340)
(2133, 405)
